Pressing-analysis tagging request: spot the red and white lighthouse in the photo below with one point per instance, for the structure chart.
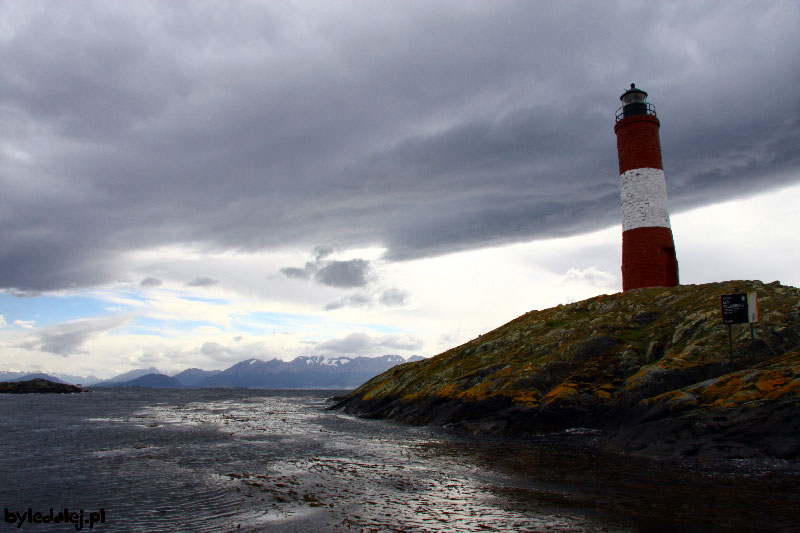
(648, 251)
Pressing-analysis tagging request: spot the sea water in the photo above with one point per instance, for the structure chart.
(257, 460)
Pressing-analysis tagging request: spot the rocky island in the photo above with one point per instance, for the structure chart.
(37, 386)
(651, 370)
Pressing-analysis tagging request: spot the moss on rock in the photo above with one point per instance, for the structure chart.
(605, 361)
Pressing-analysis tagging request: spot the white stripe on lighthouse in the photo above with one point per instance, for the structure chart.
(643, 195)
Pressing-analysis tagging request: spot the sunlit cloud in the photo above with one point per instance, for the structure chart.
(69, 338)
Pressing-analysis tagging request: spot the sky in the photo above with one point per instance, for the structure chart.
(192, 184)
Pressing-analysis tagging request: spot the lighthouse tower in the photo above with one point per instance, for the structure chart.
(648, 251)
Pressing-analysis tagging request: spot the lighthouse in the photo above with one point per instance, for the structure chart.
(648, 250)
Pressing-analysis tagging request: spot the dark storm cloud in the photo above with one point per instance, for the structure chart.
(341, 274)
(344, 274)
(424, 127)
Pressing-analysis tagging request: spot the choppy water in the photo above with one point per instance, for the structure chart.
(224, 460)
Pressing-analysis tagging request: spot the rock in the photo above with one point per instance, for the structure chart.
(651, 367)
(37, 386)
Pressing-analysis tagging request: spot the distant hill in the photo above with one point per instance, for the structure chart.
(9, 375)
(83, 380)
(55, 377)
(36, 375)
(192, 376)
(650, 368)
(127, 376)
(155, 381)
(303, 373)
(38, 386)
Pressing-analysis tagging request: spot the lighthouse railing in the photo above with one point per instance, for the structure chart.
(638, 108)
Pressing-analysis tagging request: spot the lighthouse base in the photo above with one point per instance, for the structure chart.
(648, 258)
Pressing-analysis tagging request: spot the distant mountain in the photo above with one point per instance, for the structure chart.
(155, 381)
(127, 376)
(133, 374)
(192, 376)
(56, 377)
(303, 373)
(83, 380)
(7, 376)
(36, 375)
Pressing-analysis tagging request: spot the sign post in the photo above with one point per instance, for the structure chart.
(740, 308)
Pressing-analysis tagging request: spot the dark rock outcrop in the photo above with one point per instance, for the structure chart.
(652, 368)
(37, 386)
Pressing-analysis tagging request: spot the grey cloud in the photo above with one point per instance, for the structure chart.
(212, 348)
(222, 354)
(68, 338)
(296, 273)
(394, 298)
(353, 300)
(344, 274)
(298, 130)
(341, 274)
(202, 282)
(150, 282)
(388, 298)
(322, 251)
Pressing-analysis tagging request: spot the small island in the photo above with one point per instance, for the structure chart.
(653, 371)
(39, 386)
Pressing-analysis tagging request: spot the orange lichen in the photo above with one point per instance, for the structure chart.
(722, 388)
(656, 337)
(476, 393)
(560, 392)
(529, 398)
(449, 390)
(769, 381)
(792, 388)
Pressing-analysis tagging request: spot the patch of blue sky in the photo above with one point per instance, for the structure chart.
(386, 329)
(143, 325)
(215, 301)
(48, 309)
(267, 322)
(251, 323)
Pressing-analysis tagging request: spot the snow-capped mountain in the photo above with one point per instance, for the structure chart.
(302, 372)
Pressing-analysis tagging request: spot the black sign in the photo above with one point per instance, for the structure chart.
(734, 309)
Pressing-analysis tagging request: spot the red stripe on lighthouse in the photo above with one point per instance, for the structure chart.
(638, 144)
(648, 250)
(648, 258)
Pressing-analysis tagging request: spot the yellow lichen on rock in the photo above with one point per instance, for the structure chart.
(661, 350)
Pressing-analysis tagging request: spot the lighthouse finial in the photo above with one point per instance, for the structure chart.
(633, 85)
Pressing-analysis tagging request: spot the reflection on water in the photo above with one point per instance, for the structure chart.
(216, 460)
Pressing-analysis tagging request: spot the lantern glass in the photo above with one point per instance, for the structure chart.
(634, 97)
